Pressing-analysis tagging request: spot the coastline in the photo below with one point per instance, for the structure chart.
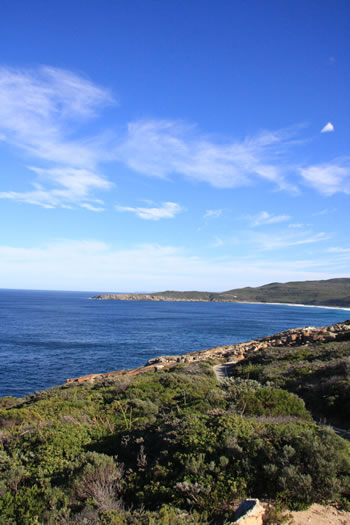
(346, 308)
(160, 299)
(233, 352)
(330, 293)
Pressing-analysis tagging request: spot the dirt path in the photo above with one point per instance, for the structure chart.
(222, 371)
(319, 515)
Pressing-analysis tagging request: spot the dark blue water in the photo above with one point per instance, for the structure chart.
(47, 337)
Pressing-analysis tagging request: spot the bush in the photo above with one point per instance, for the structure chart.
(273, 402)
(187, 449)
(100, 482)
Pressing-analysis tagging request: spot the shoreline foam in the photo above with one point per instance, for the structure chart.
(346, 308)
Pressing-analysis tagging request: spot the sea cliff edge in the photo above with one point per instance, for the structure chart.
(309, 335)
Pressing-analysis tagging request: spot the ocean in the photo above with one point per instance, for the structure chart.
(49, 336)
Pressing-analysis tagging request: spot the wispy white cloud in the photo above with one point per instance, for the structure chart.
(160, 148)
(91, 207)
(267, 218)
(36, 107)
(168, 210)
(327, 128)
(338, 249)
(70, 186)
(41, 113)
(39, 110)
(339, 258)
(296, 225)
(329, 178)
(279, 241)
(326, 211)
(218, 242)
(213, 213)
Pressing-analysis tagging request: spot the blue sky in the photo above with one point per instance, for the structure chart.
(150, 145)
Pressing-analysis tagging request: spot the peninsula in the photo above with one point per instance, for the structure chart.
(331, 292)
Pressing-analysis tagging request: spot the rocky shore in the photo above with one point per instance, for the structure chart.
(296, 336)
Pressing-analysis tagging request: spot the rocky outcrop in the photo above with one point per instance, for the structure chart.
(296, 336)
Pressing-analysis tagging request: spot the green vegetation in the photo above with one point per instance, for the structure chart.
(331, 292)
(171, 447)
(319, 374)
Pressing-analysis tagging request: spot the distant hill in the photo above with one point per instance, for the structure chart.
(331, 292)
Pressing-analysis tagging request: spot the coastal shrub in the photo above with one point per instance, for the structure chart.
(196, 368)
(310, 467)
(8, 401)
(249, 371)
(56, 449)
(236, 389)
(166, 515)
(319, 374)
(174, 389)
(144, 408)
(273, 402)
(249, 397)
(169, 445)
(22, 507)
(100, 482)
(207, 461)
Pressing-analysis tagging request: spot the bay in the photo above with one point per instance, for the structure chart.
(49, 336)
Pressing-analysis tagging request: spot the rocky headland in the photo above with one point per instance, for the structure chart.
(202, 297)
(332, 293)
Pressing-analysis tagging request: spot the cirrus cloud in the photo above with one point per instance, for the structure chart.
(168, 210)
(42, 111)
(213, 213)
(39, 110)
(329, 178)
(287, 240)
(160, 148)
(267, 218)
